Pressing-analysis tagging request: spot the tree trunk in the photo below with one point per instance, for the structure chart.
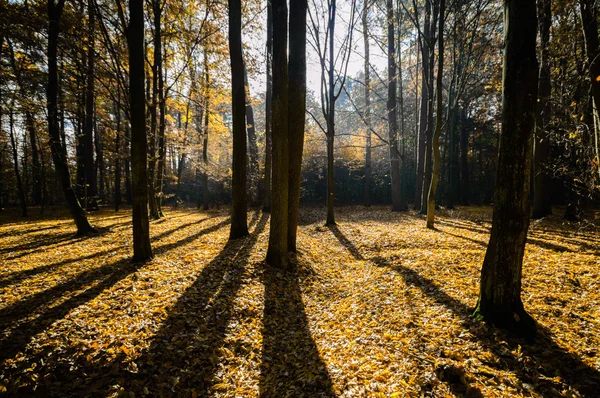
(330, 117)
(20, 189)
(58, 152)
(425, 50)
(127, 164)
(589, 24)
(117, 108)
(464, 160)
(268, 105)
(438, 126)
(500, 287)
(365, 26)
(277, 252)
(205, 140)
(239, 222)
(542, 200)
(162, 153)
(142, 250)
(88, 124)
(252, 146)
(392, 110)
(296, 112)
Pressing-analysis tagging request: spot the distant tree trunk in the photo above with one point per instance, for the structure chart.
(589, 24)
(277, 252)
(424, 40)
(239, 222)
(542, 201)
(330, 117)
(205, 141)
(58, 152)
(464, 160)
(253, 169)
(20, 189)
(438, 125)
(183, 156)
(268, 105)
(162, 153)
(88, 124)
(117, 110)
(98, 139)
(367, 117)
(127, 163)
(500, 287)
(402, 142)
(392, 110)
(296, 112)
(430, 127)
(142, 250)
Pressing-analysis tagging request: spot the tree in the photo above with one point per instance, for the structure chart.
(268, 104)
(367, 116)
(296, 112)
(277, 252)
(88, 123)
(438, 126)
(392, 108)
(142, 249)
(542, 200)
(239, 222)
(500, 287)
(59, 153)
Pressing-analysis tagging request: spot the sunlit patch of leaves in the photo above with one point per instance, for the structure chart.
(377, 306)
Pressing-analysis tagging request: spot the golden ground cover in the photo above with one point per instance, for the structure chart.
(379, 306)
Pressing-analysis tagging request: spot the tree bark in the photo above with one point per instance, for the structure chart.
(277, 252)
(88, 123)
(117, 107)
(239, 222)
(500, 287)
(58, 152)
(542, 200)
(438, 126)
(464, 160)
(268, 105)
(253, 169)
(330, 117)
(205, 140)
(589, 24)
(296, 112)
(392, 110)
(142, 249)
(20, 189)
(367, 117)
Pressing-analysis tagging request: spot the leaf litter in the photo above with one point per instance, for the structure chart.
(378, 306)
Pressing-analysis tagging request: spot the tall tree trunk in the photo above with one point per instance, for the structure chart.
(162, 153)
(268, 105)
(253, 169)
(127, 164)
(424, 40)
(142, 249)
(98, 139)
(392, 110)
(156, 70)
(58, 152)
(205, 140)
(500, 287)
(402, 142)
(330, 220)
(438, 126)
(589, 24)
(277, 252)
(239, 222)
(88, 124)
(367, 117)
(296, 112)
(20, 189)
(464, 160)
(542, 200)
(117, 110)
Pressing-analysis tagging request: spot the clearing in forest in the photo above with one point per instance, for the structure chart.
(378, 306)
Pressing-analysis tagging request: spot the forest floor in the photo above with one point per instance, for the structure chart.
(378, 306)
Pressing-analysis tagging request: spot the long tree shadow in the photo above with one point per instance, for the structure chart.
(185, 353)
(291, 365)
(552, 360)
(346, 242)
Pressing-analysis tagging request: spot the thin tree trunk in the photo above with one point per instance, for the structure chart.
(268, 105)
(330, 220)
(277, 252)
(20, 189)
(392, 110)
(296, 112)
(58, 152)
(253, 169)
(464, 160)
(117, 108)
(239, 222)
(127, 163)
(367, 117)
(542, 201)
(88, 125)
(500, 287)
(438, 125)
